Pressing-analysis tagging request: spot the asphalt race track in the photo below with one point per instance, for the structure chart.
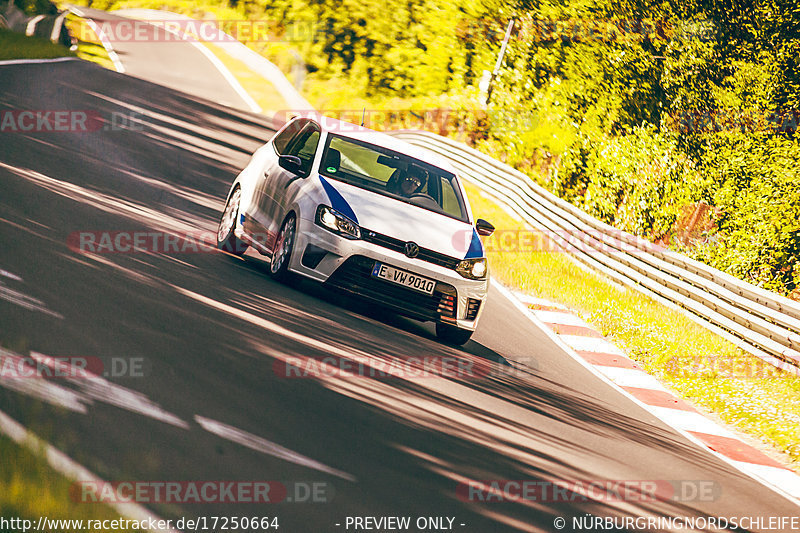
(143, 56)
(212, 330)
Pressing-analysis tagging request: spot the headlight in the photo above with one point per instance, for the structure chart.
(473, 268)
(334, 221)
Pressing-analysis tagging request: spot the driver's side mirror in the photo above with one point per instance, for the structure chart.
(292, 163)
(484, 228)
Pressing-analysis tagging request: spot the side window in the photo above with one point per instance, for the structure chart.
(450, 203)
(282, 140)
(304, 146)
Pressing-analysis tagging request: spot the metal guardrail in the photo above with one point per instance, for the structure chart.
(763, 323)
(47, 26)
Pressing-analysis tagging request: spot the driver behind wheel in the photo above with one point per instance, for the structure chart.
(413, 181)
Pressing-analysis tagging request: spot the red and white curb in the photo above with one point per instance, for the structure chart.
(598, 353)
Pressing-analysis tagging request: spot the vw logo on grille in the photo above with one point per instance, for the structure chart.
(412, 250)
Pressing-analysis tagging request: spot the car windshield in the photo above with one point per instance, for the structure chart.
(393, 174)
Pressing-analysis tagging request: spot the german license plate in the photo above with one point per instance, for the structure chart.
(404, 278)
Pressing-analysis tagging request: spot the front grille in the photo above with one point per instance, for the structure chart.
(354, 276)
(399, 246)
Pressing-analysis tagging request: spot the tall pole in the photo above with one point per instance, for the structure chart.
(499, 63)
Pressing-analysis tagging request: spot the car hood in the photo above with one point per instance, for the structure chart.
(403, 221)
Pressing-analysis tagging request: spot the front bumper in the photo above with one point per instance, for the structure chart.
(347, 265)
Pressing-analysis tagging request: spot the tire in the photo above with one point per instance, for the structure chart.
(452, 334)
(227, 241)
(282, 253)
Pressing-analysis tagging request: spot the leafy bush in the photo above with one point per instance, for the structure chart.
(638, 182)
(757, 187)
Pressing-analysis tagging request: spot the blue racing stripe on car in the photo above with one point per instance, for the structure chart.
(337, 200)
(475, 247)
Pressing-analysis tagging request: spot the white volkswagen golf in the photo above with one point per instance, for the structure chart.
(366, 213)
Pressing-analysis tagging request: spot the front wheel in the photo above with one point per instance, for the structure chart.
(226, 239)
(452, 334)
(279, 266)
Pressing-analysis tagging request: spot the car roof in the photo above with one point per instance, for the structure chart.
(360, 133)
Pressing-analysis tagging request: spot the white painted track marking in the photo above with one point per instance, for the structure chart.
(262, 445)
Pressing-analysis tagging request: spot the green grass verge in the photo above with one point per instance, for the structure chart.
(89, 46)
(261, 90)
(709, 371)
(18, 46)
(30, 488)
